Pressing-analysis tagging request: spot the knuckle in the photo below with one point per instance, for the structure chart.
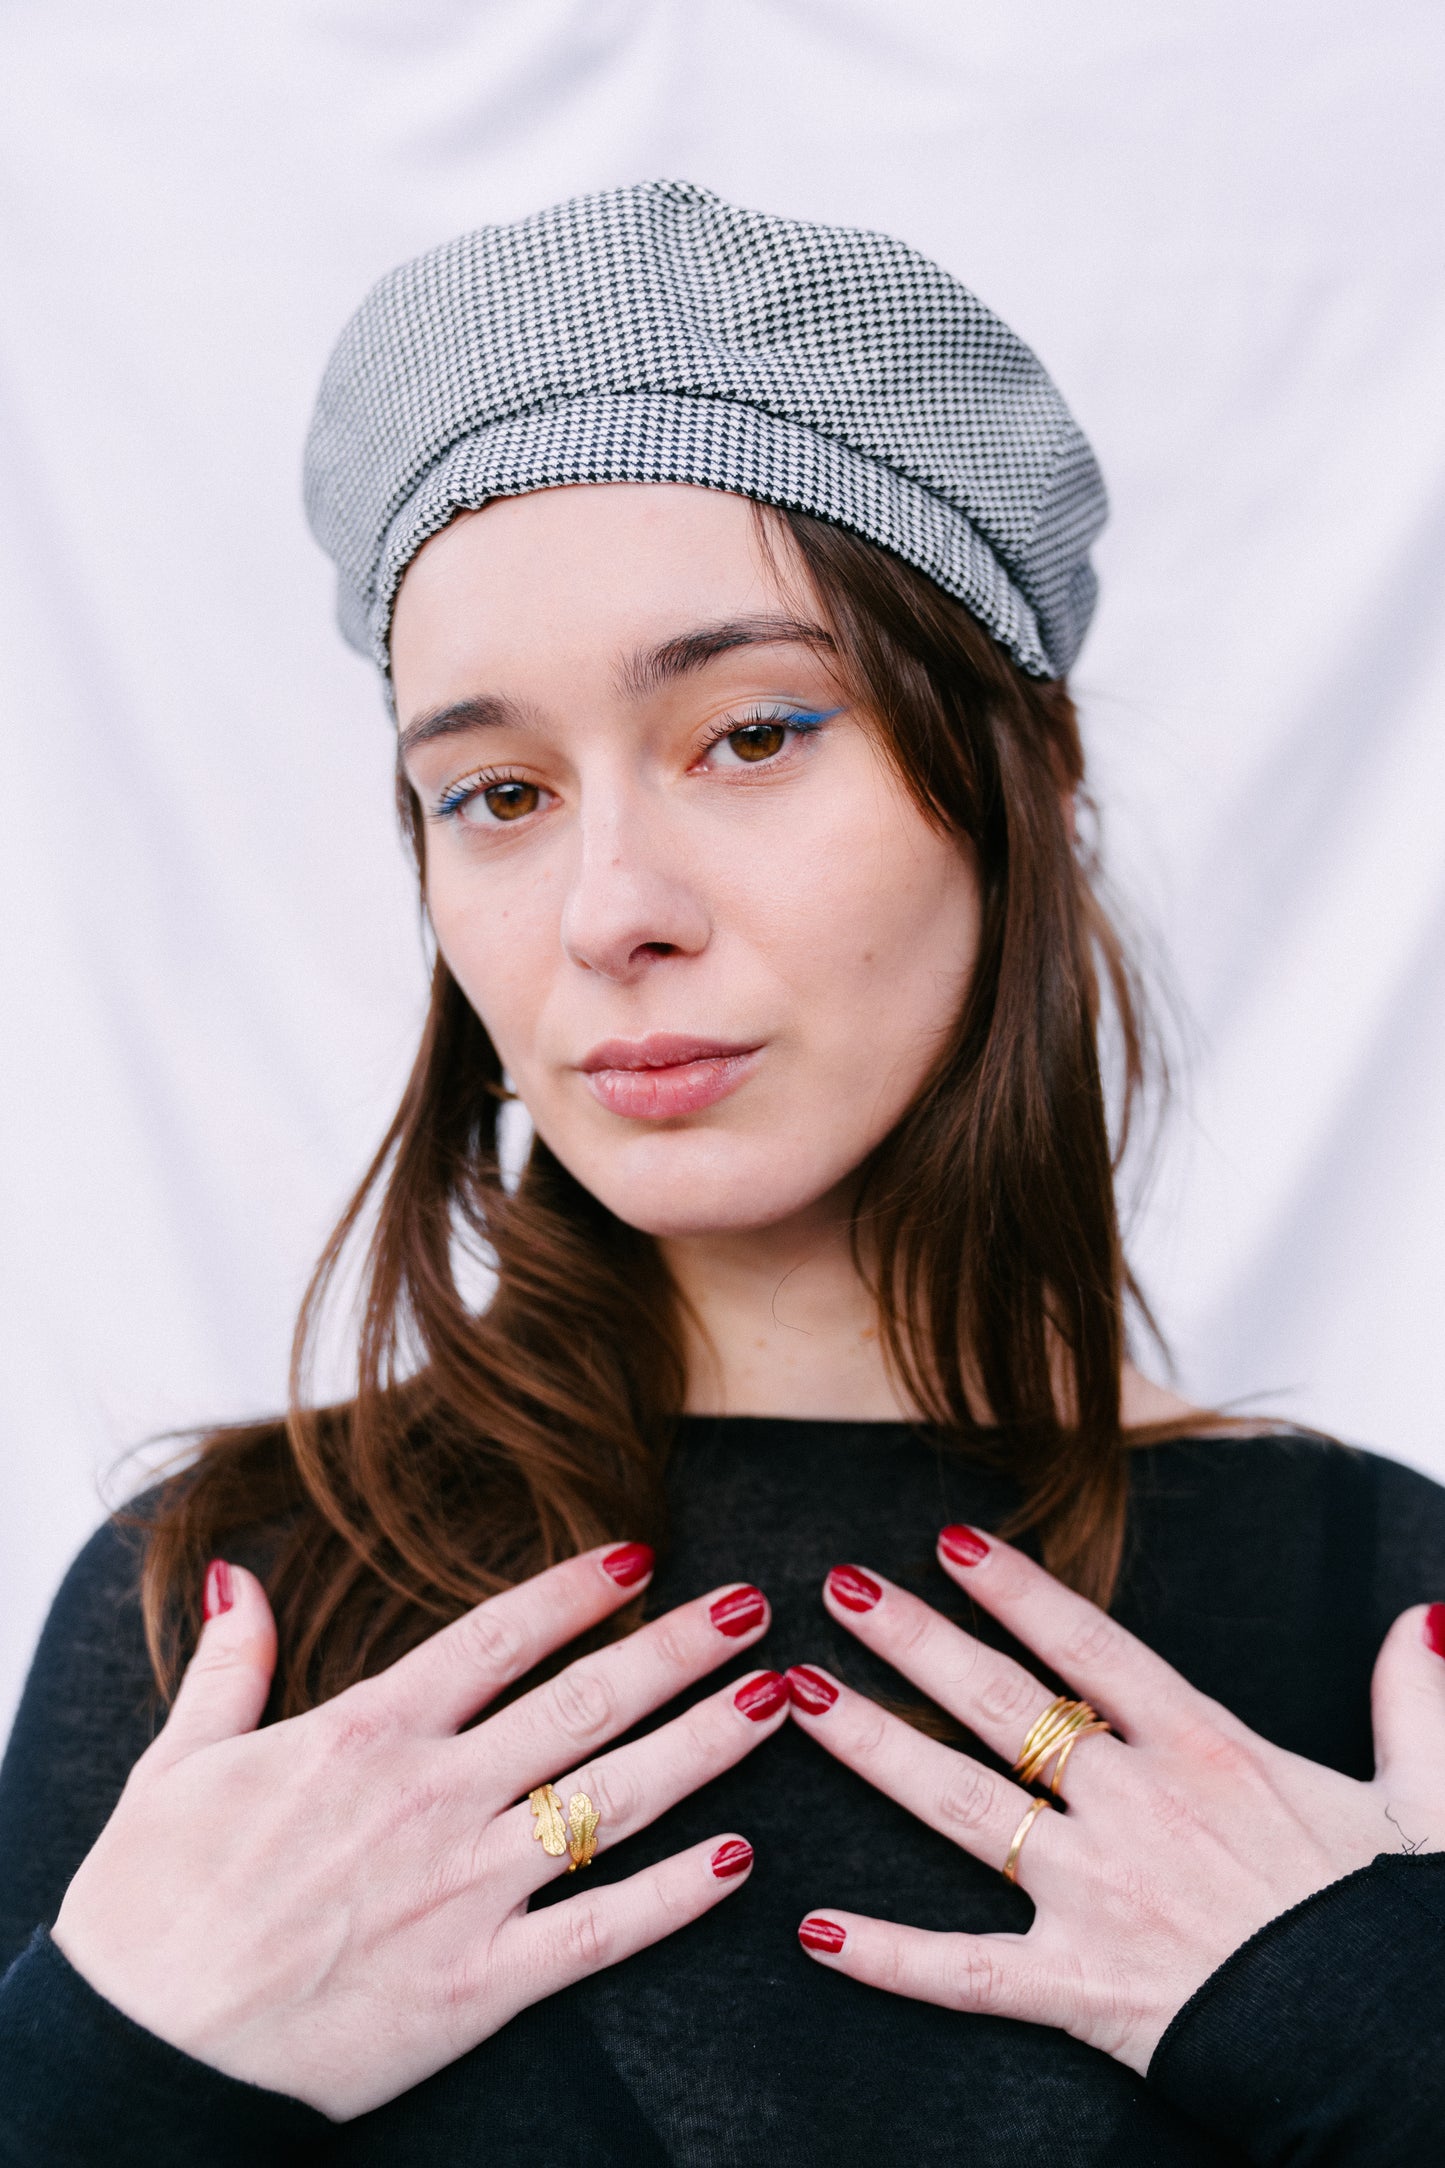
(1170, 1808)
(1133, 1894)
(355, 1724)
(869, 1728)
(587, 1936)
(1015, 1578)
(1009, 1697)
(612, 1792)
(974, 1978)
(1214, 1746)
(489, 1641)
(582, 1701)
(441, 1879)
(674, 1646)
(1229, 1757)
(912, 1629)
(672, 1905)
(457, 1983)
(414, 1800)
(215, 1655)
(1095, 1641)
(969, 1798)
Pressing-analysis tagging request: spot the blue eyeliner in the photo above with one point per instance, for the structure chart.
(456, 796)
(803, 720)
(799, 719)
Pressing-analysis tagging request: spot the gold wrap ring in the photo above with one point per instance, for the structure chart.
(576, 1835)
(1035, 1808)
(1057, 1730)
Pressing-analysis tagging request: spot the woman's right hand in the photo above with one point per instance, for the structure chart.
(335, 1906)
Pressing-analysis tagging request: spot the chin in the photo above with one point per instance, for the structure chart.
(691, 1183)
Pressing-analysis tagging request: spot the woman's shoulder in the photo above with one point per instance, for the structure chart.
(1267, 1567)
(1294, 1503)
(88, 1711)
(91, 1658)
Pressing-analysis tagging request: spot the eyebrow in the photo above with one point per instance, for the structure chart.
(671, 659)
(643, 673)
(458, 717)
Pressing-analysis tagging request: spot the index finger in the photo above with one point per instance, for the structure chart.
(604, 1694)
(1126, 1682)
(446, 1680)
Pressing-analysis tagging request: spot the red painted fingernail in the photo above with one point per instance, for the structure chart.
(811, 1692)
(819, 1934)
(738, 1612)
(761, 1697)
(1435, 1628)
(853, 1588)
(734, 1857)
(219, 1594)
(629, 1563)
(965, 1546)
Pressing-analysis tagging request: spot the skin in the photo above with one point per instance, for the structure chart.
(627, 835)
(663, 882)
(626, 875)
(1183, 1834)
(344, 1972)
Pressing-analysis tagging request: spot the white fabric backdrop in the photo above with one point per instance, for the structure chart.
(1223, 230)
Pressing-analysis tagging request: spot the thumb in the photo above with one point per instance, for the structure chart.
(1408, 1697)
(226, 1682)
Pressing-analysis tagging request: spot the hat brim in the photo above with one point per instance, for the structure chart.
(713, 444)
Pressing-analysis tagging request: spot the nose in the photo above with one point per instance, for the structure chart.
(631, 901)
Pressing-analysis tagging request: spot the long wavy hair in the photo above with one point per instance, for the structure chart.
(482, 1445)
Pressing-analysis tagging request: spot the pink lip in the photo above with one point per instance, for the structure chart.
(665, 1074)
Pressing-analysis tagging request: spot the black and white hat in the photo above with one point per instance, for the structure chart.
(657, 334)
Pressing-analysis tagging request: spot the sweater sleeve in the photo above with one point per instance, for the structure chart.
(80, 2083)
(88, 1712)
(1321, 2042)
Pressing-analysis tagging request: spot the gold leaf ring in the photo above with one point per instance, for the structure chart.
(576, 1835)
(583, 1841)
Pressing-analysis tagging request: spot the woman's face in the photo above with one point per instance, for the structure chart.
(713, 939)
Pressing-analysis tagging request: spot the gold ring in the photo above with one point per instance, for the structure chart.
(1036, 1807)
(1067, 1749)
(1055, 1731)
(577, 1835)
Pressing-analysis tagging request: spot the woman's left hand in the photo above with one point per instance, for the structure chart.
(1184, 1832)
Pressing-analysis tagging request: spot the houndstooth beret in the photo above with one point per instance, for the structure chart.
(657, 334)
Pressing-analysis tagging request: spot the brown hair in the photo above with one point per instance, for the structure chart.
(479, 1448)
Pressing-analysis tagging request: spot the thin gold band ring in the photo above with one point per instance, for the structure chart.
(1036, 1807)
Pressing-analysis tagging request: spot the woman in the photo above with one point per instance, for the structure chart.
(743, 803)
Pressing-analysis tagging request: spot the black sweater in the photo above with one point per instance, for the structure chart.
(1266, 1570)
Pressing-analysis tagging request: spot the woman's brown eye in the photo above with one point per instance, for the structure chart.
(509, 801)
(758, 741)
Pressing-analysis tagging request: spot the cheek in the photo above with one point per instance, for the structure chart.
(878, 941)
(498, 953)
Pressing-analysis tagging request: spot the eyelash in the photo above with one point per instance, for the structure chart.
(451, 801)
(803, 722)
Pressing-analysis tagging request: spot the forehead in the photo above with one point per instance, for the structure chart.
(622, 543)
(603, 568)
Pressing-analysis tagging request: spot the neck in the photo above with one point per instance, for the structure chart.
(779, 1322)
